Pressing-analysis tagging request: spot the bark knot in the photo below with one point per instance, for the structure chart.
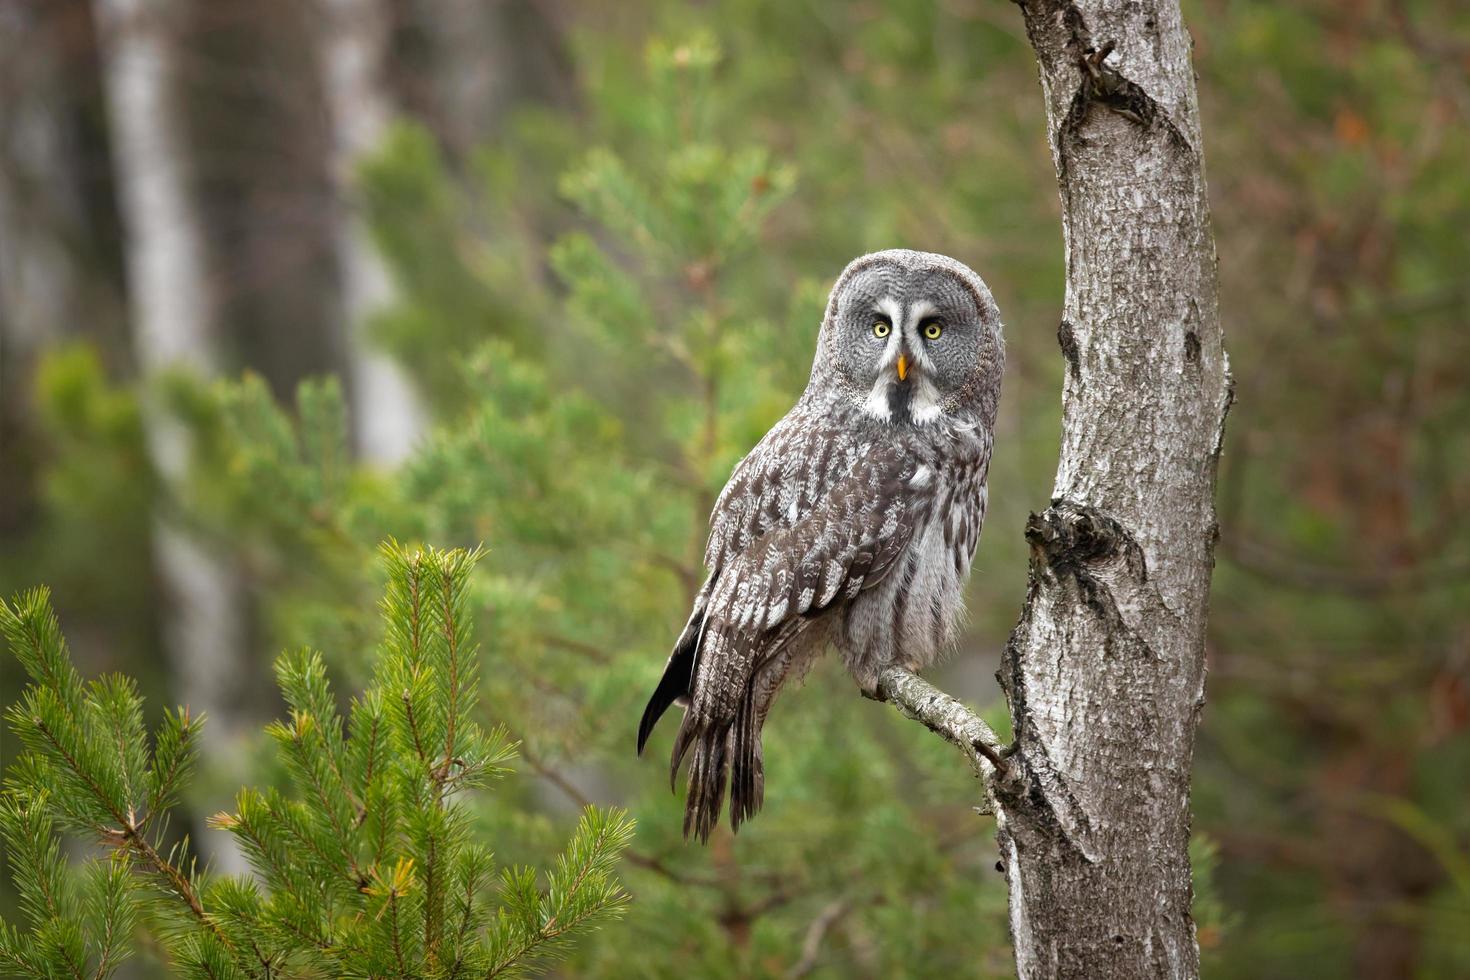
(1062, 37)
(1107, 86)
(1191, 347)
(1069, 536)
(1079, 544)
(1067, 340)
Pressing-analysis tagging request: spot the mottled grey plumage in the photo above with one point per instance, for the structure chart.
(852, 522)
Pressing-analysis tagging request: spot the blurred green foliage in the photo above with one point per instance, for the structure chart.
(614, 303)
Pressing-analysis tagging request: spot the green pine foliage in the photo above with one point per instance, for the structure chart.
(367, 861)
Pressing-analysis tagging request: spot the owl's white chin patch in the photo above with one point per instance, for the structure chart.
(924, 405)
(876, 404)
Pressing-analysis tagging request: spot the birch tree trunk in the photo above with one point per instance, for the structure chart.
(1105, 670)
(205, 624)
(388, 415)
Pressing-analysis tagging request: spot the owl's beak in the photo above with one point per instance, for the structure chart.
(903, 367)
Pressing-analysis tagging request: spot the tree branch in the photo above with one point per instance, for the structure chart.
(946, 717)
(811, 947)
(651, 862)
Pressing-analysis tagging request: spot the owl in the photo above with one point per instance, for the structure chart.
(850, 525)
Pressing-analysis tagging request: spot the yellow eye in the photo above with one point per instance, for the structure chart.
(881, 329)
(932, 330)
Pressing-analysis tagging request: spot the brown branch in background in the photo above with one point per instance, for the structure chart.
(553, 776)
(1274, 565)
(1441, 52)
(811, 946)
(845, 904)
(688, 577)
(1440, 46)
(593, 653)
(784, 888)
(632, 856)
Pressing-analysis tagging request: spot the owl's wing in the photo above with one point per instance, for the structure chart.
(778, 483)
(762, 596)
(843, 541)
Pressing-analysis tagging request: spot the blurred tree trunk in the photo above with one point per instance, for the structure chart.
(174, 326)
(1105, 669)
(466, 64)
(387, 414)
(42, 212)
(60, 265)
(42, 221)
(460, 65)
(253, 112)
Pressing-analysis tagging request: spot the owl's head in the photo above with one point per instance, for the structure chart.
(912, 338)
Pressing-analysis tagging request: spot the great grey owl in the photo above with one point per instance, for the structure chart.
(852, 523)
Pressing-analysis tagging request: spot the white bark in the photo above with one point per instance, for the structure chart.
(388, 415)
(205, 626)
(165, 253)
(1105, 669)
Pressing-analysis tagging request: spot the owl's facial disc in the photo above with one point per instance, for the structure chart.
(911, 338)
(910, 341)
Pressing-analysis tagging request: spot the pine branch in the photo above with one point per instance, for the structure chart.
(598, 840)
(117, 914)
(369, 767)
(374, 789)
(448, 623)
(397, 941)
(413, 727)
(245, 830)
(127, 834)
(175, 749)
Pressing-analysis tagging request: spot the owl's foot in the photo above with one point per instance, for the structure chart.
(869, 686)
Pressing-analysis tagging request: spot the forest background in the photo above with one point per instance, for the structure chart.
(536, 274)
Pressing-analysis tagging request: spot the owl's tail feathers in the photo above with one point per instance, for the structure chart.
(748, 776)
(720, 752)
(678, 680)
(709, 770)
